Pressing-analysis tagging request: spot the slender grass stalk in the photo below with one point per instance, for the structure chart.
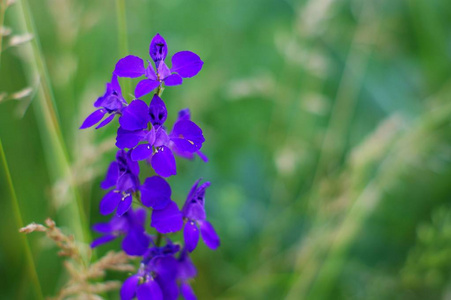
(326, 260)
(3, 7)
(57, 158)
(19, 224)
(333, 144)
(367, 201)
(122, 39)
(332, 149)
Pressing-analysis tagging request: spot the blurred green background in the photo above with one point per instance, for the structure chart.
(327, 125)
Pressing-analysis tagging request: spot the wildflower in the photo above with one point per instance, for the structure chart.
(111, 102)
(185, 136)
(186, 271)
(166, 216)
(122, 174)
(185, 64)
(156, 277)
(130, 224)
(194, 213)
(185, 114)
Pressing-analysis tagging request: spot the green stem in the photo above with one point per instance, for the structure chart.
(19, 223)
(160, 90)
(159, 238)
(2, 20)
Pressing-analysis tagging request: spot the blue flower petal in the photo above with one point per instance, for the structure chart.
(168, 219)
(163, 162)
(155, 192)
(149, 290)
(93, 118)
(109, 202)
(186, 63)
(191, 236)
(130, 66)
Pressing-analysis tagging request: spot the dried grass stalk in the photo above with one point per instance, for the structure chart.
(82, 273)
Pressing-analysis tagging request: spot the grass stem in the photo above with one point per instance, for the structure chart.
(19, 224)
(122, 40)
(57, 157)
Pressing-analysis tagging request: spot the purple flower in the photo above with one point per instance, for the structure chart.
(186, 271)
(186, 137)
(123, 175)
(185, 64)
(185, 115)
(156, 277)
(111, 102)
(130, 224)
(161, 275)
(166, 216)
(194, 213)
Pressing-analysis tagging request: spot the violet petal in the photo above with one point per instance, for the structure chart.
(106, 121)
(102, 240)
(141, 152)
(163, 162)
(102, 227)
(93, 118)
(130, 66)
(109, 202)
(115, 86)
(163, 70)
(187, 136)
(186, 63)
(149, 290)
(158, 49)
(135, 242)
(145, 86)
(135, 116)
(111, 177)
(202, 156)
(157, 111)
(128, 139)
(187, 291)
(174, 79)
(127, 182)
(155, 192)
(161, 137)
(124, 205)
(150, 73)
(168, 219)
(191, 235)
(209, 235)
(129, 287)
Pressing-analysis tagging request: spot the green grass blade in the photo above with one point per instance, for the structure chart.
(57, 158)
(122, 40)
(19, 223)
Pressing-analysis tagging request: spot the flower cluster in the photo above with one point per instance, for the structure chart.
(166, 268)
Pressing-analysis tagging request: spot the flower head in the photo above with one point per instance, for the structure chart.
(110, 103)
(186, 137)
(178, 146)
(156, 277)
(194, 213)
(161, 275)
(185, 64)
(123, 175)
(130, 225)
